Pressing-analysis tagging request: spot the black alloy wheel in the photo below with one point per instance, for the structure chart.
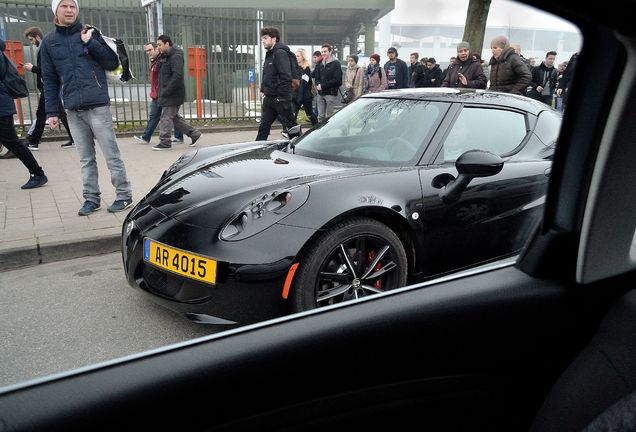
(357, 258)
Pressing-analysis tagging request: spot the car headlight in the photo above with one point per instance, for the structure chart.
(263, 212)
(183, 160)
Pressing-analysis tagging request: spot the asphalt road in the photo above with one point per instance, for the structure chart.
(68, 314)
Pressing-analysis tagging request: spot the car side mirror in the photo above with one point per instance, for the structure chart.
(471, 164)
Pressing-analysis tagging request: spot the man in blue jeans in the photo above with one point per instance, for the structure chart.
(78, 57)
(154, 112)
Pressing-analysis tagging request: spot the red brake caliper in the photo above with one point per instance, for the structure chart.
(371, 257)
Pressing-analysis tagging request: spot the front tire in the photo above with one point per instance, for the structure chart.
(356, 258)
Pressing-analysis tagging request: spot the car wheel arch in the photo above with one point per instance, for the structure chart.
(393, 220)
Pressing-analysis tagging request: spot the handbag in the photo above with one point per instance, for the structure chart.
(16, 85)
(349, 95)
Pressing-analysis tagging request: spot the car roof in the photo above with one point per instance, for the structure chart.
(471, 96)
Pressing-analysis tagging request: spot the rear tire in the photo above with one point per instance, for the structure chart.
(375, 261)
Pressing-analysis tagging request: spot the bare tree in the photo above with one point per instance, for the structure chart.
(476, 24)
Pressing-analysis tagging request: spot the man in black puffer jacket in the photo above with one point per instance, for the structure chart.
(171, 94)
(508, 73)
(276, 86)
(74, 61)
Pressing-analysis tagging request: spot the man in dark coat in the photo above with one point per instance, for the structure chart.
(466, 72)
(544, 79)
(418, 73)
(9, 138)
(276, 86)
(397, 72)
(35, 36)
(328, 77)
(565, 82)
(75, 59)
(508, 73)
(435, 75)
(171, 94)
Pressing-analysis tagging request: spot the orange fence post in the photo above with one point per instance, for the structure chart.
(13, 50)
(197, 66)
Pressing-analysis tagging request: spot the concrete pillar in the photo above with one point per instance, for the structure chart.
(369, 37)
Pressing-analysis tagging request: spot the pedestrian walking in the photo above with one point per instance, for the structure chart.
(35, 36)
(276, 88)
(74, 61)
(466, 72)
(171, 94)
(154, 110)
(374, 77)
(397, 72)
(9, 138)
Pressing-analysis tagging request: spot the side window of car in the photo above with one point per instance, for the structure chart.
(494, 130)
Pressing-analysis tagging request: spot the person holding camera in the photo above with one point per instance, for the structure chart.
(74, 61)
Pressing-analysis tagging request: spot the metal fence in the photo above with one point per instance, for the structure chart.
(228, 87)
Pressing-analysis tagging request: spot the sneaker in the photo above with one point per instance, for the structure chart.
(140, 138)
(285, 134)
(69, 144)
(161, 147)
(119, 205)
(88, 208)
(34, 147)
(177, 140)
(195, 139)
(35, 182)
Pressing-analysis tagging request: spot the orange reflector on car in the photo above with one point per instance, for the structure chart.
(288, 280)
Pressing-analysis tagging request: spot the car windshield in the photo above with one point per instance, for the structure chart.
(375, 130)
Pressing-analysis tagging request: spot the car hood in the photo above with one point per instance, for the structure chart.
(226, 182)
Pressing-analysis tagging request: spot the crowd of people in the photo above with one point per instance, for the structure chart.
(72, 62)
(507, 71)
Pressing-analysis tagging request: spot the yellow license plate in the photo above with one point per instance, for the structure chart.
(180, 262)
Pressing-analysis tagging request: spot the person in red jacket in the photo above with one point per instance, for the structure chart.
(154, 111)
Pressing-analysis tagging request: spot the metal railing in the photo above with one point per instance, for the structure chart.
(229, 36)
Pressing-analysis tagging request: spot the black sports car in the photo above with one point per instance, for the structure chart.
(395, 188)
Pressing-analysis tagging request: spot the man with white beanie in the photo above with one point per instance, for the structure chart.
(74, 60)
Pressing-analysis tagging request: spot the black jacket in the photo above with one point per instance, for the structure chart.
(471, 69)
(509, 74)
(76, 68)
(435, 77)
(277, 73)
(544, 76)
(418, 75)
(171, 80)
(38, 72)
(329, 76)
(402, 74)
(303, 93)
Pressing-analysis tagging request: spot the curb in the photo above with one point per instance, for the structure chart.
(59, 250)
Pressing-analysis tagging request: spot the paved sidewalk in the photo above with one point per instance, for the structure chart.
(42, 225)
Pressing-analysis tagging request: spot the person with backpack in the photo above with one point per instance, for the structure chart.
(8, 137)
(276, 85)
(71, 54)
(374, 77)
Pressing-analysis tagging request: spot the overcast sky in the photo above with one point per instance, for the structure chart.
(502, 13)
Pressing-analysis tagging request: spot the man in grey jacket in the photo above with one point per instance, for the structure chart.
(74, 60)
(171, 94)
